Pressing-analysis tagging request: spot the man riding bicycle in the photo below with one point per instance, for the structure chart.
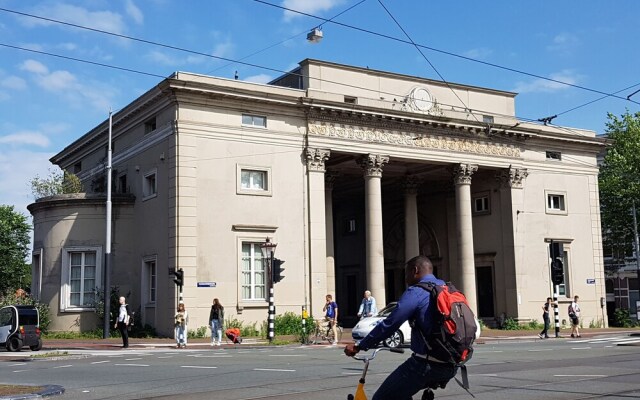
(420, 371)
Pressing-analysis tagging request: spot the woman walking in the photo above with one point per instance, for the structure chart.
(181, 320)
(216, 319)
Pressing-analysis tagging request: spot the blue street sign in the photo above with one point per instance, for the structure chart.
(206, 284)
(591, 281)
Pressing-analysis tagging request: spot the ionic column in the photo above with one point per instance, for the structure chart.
(316, 159)
(329, 180)
(411, 235)
(372, 166)
(464, 230)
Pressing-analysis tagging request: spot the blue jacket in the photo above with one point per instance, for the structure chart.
(412, 305)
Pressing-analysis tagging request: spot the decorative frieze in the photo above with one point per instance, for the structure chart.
(316, 158)
(372, 164)
(437, 142)
(462, 173)
(512, 177)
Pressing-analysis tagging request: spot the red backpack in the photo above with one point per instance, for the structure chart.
(454, 326)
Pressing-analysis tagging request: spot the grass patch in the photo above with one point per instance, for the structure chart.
(12, 390)
(50, 354)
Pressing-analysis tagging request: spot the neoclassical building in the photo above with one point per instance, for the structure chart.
(351, 171)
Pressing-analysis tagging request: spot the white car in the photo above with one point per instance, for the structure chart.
(399, 337)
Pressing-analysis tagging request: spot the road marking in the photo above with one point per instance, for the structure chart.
(133, 359)
(541, 350)
(13, 365)
(274, 370)
(286, 355)
(21, 370)
(100, 362)
(581, 348)
(196, 366)
(132, 365)
(352, 373)
(212, 356)
(245, 351)
(166, 357)
(484, 374)
(582, 376)
(63, 366)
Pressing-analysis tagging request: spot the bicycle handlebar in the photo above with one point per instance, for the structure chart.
(371, 356)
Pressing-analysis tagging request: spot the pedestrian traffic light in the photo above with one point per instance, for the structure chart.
(277, 270)
(179, 277)
(557, 272)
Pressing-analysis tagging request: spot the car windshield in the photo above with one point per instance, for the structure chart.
(387, 310)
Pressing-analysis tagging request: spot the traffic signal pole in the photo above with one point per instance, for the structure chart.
(272, 307)
(556, 286)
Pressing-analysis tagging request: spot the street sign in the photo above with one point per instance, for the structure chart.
(206, 284)
(591, 281)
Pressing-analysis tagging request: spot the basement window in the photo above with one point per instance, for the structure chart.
(350, 100)
(554, 155)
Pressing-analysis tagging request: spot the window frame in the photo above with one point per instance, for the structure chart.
(149, 281)
(551, 155)
(255, 243)
(65, 276)
(253, 192)
(145, 184)
(150, 125)
(564, 210)
(36, 275)
(253, 117)
(480, 196)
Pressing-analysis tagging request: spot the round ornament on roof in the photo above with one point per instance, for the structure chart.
(421, 99)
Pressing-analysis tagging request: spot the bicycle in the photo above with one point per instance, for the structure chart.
(323, 332)
(360, 394)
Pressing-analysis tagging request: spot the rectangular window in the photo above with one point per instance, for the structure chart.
(554, 155)
(149, 185)
(151, 274)
(350, 99)
(481, 205)
(122, 184)
(350, 226)
(254, 120)
(556, 203)
(36, 280)
(253, 180)
(77, 167)
(150, 125)
(82, 278)
(254, 277)
(487, 119)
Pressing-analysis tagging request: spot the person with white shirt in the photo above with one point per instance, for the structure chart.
(122, 321)
(367, 306)
(574, 315)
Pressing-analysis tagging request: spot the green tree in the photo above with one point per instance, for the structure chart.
(619, 181)
(57, 182)
(14, 248)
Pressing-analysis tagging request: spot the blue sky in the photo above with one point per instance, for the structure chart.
(47, 102)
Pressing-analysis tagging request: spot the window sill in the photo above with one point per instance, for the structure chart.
(254, 192)
(149, 197)
(77, 309)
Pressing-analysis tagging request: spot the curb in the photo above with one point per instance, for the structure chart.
(48, 390)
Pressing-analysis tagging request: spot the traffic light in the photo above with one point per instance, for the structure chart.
(179, 277)
(557, 272)
(277, 270)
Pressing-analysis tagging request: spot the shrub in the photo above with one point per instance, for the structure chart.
(534, 325)
(621, 318)
(43, 309)
(511, 324)
(245, 330)
(197, 333)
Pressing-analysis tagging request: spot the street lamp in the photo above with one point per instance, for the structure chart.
(268, 249)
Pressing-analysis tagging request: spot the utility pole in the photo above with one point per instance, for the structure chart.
(637, 249)
(107, 254)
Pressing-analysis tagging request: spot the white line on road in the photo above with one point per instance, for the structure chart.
(581, 348)
(132, 365)
(63, 366)
(541, 350)
(166, 357)
(352, 373)
(581, 376)
(196, 366)
(13, 365)
(274, 370)
(483, 374)
(133, 359)
(287, 355)
(100, 362)
(213, 356)
(20, 370)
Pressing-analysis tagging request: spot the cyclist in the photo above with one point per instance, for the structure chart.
(331, 315)
(420, 370)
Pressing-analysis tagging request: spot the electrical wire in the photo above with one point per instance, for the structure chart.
(446, 52)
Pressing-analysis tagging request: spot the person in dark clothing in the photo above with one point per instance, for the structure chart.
(216, 321)
(122, 321)
(547, 321)
(421, 370)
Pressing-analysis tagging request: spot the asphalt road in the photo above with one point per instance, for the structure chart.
(590, 368)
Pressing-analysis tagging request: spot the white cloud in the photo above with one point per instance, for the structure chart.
(102, 20)
(26, 138)
(223, 49)
(13, 82)
(308, 6)
(480, 53)
(134, 12)
(260, 78)
(564, 43)
(67, 85)
(67, 46)
(542, 85)
(14, 182)
(159, 57)
(34, 66)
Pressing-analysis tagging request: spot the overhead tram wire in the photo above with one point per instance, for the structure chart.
(290, 38)
(445, 52)
(425, 57)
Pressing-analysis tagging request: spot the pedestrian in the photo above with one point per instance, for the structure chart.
(574, 315)
(181, 321)
(367, 306)
(122, 321)
(216, 319)
(545, 317)
(331, 316)
(420, 370)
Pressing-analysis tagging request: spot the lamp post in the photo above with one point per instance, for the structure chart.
(268, 249)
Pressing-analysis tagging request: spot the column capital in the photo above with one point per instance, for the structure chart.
(410, 184)
(372, 164)
(316, 158)
(330, 179)
(462, 173)
(512, 178)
